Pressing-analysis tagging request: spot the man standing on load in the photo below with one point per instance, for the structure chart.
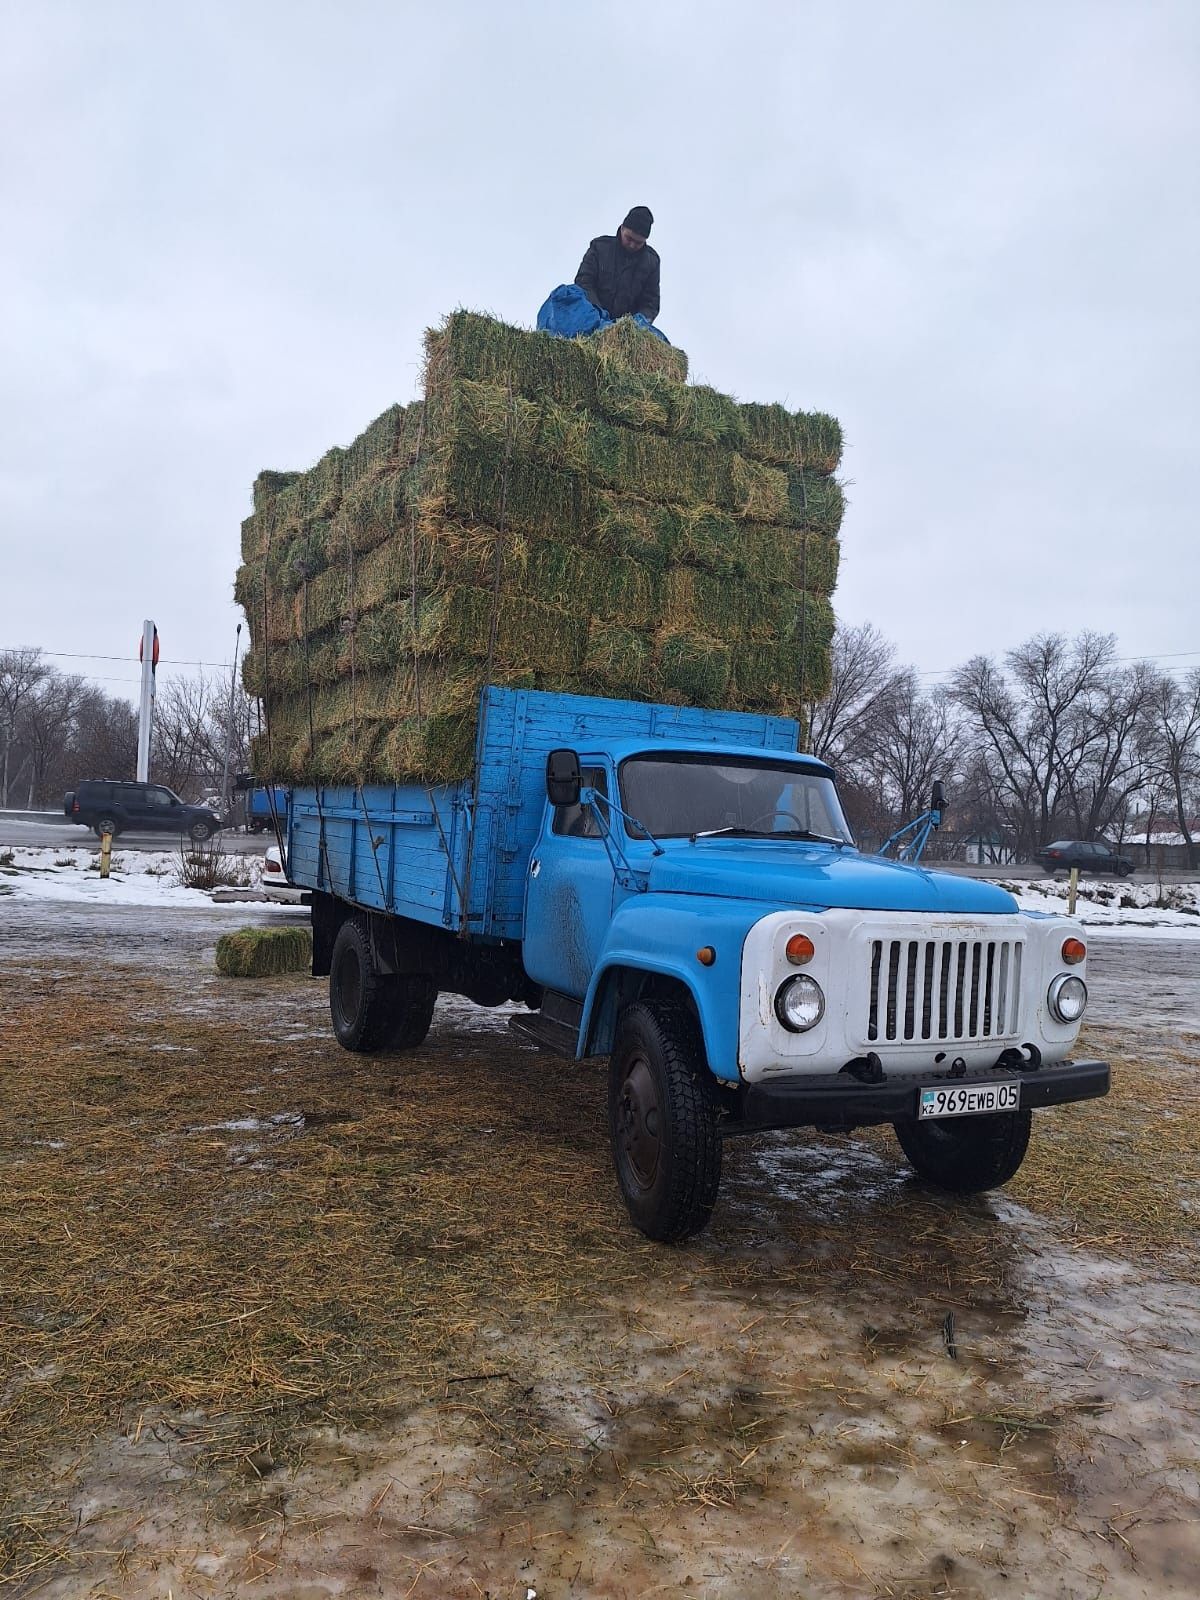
(619, 274)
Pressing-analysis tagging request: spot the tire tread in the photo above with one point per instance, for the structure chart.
(694, 1156)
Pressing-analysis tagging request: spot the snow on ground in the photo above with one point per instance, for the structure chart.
(1117, 906)
(138, 877)
(151, 878)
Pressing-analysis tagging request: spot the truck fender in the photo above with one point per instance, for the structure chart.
(653, 938)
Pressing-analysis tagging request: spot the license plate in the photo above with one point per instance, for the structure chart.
(969, 1101)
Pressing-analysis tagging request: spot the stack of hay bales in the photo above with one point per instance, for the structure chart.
(556, 514)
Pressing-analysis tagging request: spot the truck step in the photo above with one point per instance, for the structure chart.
(548, 1033)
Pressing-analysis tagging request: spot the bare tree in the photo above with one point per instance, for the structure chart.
(863, 676)
(1171, 740)
(916, 741)
(1036, 726)
(49, 729)
(21, 671)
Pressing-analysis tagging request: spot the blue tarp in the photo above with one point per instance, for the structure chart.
(570, 314)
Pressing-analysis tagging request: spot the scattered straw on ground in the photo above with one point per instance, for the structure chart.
(215, 1218)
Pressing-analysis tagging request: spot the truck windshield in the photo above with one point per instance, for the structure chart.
(680, 795)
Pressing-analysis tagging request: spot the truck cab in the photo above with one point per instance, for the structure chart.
(696, 911)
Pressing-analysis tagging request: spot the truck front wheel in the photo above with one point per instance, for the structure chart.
(663, 1122)
(374, 1012)
(967, 1154)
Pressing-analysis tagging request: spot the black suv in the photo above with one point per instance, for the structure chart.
(110, 807)
(1093, 856)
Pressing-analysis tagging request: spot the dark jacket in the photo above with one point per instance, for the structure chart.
(620, 281)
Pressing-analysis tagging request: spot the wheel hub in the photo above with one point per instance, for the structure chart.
(639, 1120)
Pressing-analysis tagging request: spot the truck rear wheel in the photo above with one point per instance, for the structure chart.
(967, 1154)
(374, 1012)
(662, 1119)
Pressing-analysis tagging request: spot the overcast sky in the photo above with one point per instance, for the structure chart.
(969, 231)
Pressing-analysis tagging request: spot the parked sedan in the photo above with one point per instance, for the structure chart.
(1093, 855)
(275, 883)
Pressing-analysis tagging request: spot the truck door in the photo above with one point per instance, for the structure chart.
(568, 896)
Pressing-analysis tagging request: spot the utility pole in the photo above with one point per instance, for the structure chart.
(229, 726)
(148, 654)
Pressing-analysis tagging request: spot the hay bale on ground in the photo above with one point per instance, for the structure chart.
(264, 952)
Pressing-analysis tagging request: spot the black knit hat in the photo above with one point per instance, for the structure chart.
(640, 220)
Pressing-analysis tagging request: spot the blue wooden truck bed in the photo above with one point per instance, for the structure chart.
(456, 855)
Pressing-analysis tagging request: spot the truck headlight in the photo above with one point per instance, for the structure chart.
(799, 1003)
(1067, 998)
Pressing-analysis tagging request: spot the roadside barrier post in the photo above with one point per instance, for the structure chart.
(105, 854)
(1072, 891)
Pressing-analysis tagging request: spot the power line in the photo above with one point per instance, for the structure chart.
(1169, 655)
(83, 655)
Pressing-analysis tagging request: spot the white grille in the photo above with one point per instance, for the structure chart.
(943, 989)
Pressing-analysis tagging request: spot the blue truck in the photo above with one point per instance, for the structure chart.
(265, 808)
(677, 890)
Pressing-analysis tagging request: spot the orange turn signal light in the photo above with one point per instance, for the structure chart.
(706, 955)
(1073, 951)
(800, 949)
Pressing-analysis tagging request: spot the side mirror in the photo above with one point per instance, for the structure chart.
(562, 778)
(938, 803)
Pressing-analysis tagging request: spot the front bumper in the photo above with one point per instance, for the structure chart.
(836, 1100)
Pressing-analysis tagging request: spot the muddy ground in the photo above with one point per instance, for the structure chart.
(289, 1323)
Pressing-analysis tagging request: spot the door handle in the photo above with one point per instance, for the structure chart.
(535, 866)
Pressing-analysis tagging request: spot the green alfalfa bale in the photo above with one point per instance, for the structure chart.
(434, 750)
(786, 438)
(382, 576)
(674, 471)
(637, 399)
(268, 485)
(757, 553)
(321, 486)
(349, 753)
(618, 659)
(690, 668)
(815, 501)
(485, 485)
(511, 630)
(378, 639)
(252, 672)
(640, 529)
(248, 588)
(536, 365)
(712, 539)
(375, 509)
(468, 414)
(709, 417)
(792, 669)
(626, 344)
(264, 952)
(624, 590)
(375, 448)
(757, 492)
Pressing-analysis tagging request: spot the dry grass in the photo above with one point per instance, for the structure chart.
(336, 1261)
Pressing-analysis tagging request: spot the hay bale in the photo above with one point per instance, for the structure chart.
(690, 668)
(264, 952)
(375, 448)
(786, 438)
(566, 514)
(627, 345)
(534, 365)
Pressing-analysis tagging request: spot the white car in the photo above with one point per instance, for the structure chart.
(275, 883)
